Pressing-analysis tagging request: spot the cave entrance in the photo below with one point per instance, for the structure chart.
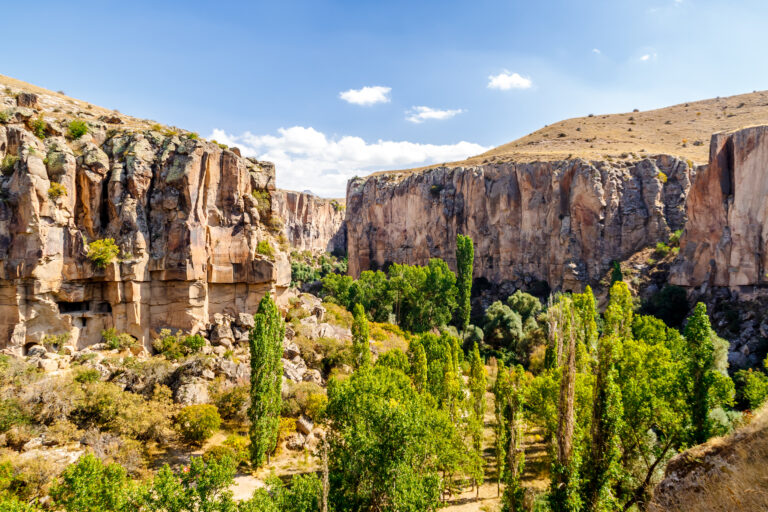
(73, 307)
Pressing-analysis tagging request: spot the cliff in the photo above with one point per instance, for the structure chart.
(181, 211)
(311, 223)
(562, 222)
(725, 239)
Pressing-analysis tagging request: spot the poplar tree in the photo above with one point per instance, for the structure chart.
(500, 393)
(477, 386)
(266, 347)
(465, 256)
(419, 365)
(361, 348)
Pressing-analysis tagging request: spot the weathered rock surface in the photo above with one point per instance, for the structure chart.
(725, 242)
(560, 222)
(180, 210)
(310, 222)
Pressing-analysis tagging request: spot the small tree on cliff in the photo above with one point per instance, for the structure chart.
(465, 256)
(266, 345)
(360, 337)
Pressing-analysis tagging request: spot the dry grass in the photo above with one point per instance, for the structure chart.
(725, 474)
(681, 130)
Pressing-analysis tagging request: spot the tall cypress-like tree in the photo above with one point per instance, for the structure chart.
(465, 256)
(477, 385)
(419, 367)
(266, 346)
(361, 348)
(500, 394)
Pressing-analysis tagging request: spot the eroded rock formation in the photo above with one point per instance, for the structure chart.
(311, 223)
(181, 211)
(560, 222)
(725, 239)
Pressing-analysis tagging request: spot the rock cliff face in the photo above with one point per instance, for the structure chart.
(725, 242)
(180, 210)
(311, 223)
(561, 222)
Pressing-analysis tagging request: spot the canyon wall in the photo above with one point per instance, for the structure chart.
(311, 223)
(180, 210)
(561, 222)
(725, 239)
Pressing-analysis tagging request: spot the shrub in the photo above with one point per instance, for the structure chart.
(5, 116)
(113, 340)
(175, 346)
(196, 423)
(235, 448)
(90, 486)
(662, 177)
(39, 127)
(11, 414)
(193, 135)
(77, 129)
(103, 252)
(674, 238)
(56, 190)
(86, 375)
(263, 202)
(753, 388)
(9, 162)
(233, 403)
(265, 249)
(662, 249)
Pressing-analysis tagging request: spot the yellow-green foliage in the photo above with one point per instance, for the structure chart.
(115, 340)
(662, 177)
(9, 161)
(77, 129)
(56, 190)
(337, 315)
(196, 423)
(39, 127)
(263, 202)
(387, 336)
(265, 249)
(103, 252)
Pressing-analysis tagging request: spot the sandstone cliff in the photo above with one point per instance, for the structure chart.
(181, 211)
(311, 223)
(725, 239)
(562, 222)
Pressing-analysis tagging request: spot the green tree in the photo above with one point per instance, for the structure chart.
(710, 386)
(503, 327)
(201, 486)
(266, 347)
(388, 445)
(361, 348)
(478, 383)
(91, 486)
(465, 256)
(511, 392)
(419, 366)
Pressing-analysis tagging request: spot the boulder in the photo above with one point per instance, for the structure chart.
(304, 425)
(295, 442)
(314, 376)
(36, 351)
(294, 371)
(244, 321)
(48, 365)
(290, 349)
(192, 392)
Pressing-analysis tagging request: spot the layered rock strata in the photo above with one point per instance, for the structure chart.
(311, 223)
(180, 210)
(560, 222)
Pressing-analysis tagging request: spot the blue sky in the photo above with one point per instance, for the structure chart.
(269, 76)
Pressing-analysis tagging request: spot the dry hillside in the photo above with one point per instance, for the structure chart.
(681, 130)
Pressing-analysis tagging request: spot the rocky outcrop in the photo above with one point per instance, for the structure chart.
(180, 210)
(725, 242)
(311, 223)
(561, 222)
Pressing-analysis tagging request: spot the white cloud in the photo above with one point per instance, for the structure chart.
(421, 114)
(506, 80)
(645, 57)
(596, 51)
(308, 159)
(648, 56)
(367, 95)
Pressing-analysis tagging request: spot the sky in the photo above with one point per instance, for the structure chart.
(333, 89)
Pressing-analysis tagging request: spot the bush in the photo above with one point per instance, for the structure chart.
(669, 304)
(263, 202)
(234, 448)
(662, 177)
(56, 190)
(77, 129)
(176, 346)
(265, 249)
(39, 127)
(91, 486)
(233, 403)
(86, 375)
(9, 162)
(113, 340)
(103, 252)
(196, 423)
(662, 249)
(11, 414)
(674, 238)
(753, 388)
(5, 116)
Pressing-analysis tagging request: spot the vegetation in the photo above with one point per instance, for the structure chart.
(266, 346)
(114, 340)
(308, 267)
(103, 252)
(175, 346)
(361, 348)
(77, 129)
(465, 256)
(39, 127)
(196, 423)
(265, 249)
(8, 163)
(56, 190)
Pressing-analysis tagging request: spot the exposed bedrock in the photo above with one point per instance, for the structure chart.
(561, 222)
(181, 211)
(311, 223)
